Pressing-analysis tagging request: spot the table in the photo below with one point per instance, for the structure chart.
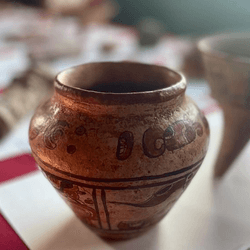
(204, 218)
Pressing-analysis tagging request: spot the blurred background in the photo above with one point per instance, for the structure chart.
(189, 16)
(39, 38)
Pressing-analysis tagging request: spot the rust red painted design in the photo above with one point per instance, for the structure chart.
(125, 145)
(53, 132)
(85, 199)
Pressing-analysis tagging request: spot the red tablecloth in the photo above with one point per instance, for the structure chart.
(10, 169)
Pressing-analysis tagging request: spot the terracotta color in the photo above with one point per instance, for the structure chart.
(120, 160)
(227, 62)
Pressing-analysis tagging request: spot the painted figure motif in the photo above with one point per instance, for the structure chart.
(179, 134)
(53, 133)
(125, 145)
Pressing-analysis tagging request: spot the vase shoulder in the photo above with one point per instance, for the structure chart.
(123, 142)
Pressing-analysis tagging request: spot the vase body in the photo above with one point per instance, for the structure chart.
(120, 160)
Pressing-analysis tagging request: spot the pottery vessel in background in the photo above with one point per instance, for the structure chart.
(227, 63)
(120, 142)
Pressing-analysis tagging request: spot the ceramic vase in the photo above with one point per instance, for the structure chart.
(120, 142)
(227, 62)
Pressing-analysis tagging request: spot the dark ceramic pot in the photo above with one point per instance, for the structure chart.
(120, 142)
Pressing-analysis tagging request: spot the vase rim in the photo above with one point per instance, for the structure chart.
(169, 92)
(210, 45)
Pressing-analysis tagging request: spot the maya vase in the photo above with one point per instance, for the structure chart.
(120, 142)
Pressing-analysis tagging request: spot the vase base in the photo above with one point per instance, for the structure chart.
(123, 236)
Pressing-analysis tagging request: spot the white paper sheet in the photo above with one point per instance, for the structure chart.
(204, 218)
(42, 219)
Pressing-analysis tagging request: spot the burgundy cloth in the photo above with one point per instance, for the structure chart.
(10, 169)
(9, 240)
(16, 166)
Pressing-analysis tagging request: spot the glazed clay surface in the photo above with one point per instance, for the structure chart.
(120, 160)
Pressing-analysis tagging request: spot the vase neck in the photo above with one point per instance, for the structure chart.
(92, 106)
